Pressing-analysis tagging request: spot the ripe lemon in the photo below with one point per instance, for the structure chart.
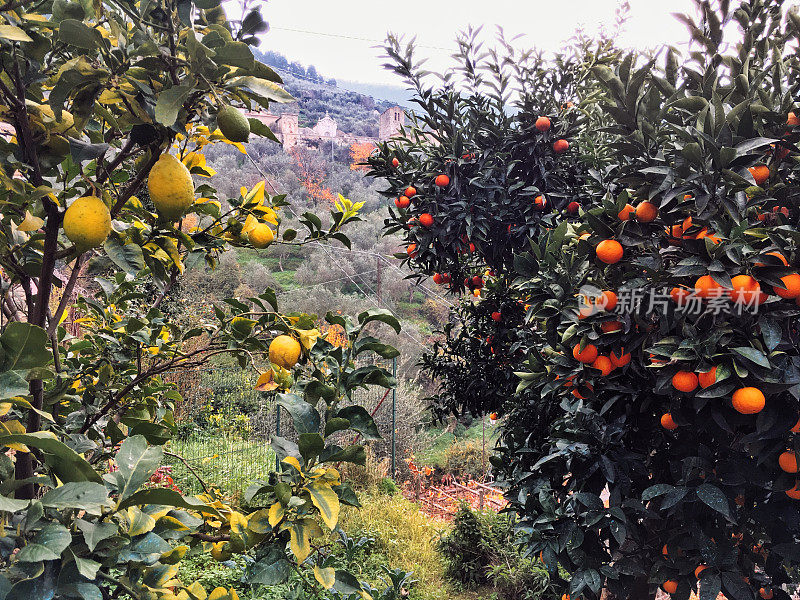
(87, 222)
(260, 235)
(284, 351)
(170, 186)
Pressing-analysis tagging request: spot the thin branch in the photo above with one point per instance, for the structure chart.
(118, 583)
(66, 295)
(109, 168)
(191, 469)
(134, 184)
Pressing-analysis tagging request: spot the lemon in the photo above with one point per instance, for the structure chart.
(87, 222)
(233, 124)
(284, 351)
(171, 187)
(260, 235)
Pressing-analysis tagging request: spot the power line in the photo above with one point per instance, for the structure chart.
(350, 37)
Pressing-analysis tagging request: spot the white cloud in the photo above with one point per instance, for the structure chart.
(364, 23)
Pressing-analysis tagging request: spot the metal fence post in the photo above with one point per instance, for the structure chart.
(277, 433)
(394, 419)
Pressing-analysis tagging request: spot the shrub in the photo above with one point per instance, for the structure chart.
(523, 579)
(466, 459)
(387, 486)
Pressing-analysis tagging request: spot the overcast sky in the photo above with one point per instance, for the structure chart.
(545, 23)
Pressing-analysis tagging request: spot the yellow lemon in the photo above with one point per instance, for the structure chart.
(171, 187)
(284, 351)
(260, 235)
(87, 222)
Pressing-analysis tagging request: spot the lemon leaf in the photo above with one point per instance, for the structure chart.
(326, 576)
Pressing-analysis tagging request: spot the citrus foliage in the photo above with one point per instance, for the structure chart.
(681, 408)
(111, 105)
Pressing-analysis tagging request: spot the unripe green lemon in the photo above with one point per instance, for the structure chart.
(233, 124)
(87, 222)
(260, 235)
(284, 351)
(171, 187)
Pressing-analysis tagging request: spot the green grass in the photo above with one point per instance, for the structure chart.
(438, 441)
(223, 460)
(285, 278)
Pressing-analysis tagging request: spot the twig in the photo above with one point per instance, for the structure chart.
(66, 295)
(118, 583)
(191, 469)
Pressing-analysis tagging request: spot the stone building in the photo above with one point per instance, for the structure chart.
(391, 121)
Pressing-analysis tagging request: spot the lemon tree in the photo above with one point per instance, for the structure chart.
(108, 107)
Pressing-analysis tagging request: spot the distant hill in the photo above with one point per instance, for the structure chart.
(355, 106)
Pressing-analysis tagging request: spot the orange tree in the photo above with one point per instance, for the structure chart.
(652, 440)
(680, 403)
(109, 106)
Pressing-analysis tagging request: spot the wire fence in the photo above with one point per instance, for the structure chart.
(224, 427)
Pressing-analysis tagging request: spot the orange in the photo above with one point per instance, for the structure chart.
(667, 422)
(402, 202)
(670, 586)
(610, 326)
(426, 219)
(699, 569)
(609, 251)
(395, 162)
(542, 124)
(687, 224)
(578, 394)
(493, 416)
(706, 287)
(791, 286)
(777, 255)
(684, 381)
(760, 173)
(438, 278)
(788, 462)
(707, 378)
(560, 146)
(792, 120)
(607, 300)
(748, 400)
(674, 231)
(587, 356)
(745, 290)
(410, 192)
(603, 364)
(626, 212)
(411, 250)
(794, 493)
(442, 180)
(739, 500)
(796, 428)
(540, 203)
(705, 234)
(679, 295)
(765, 593)
(622, 359)
(664, 550)
(646, 212)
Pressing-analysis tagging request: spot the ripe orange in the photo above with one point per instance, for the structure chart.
(560, 146)
(438, 278)
(622, 359)
(792, 120)
(707, 378)
(410, 192)
(794, 493)
(540, 203)
(704, 233)
(706, 287)
(402, 202)
(442, 180)
(679, 295)
(675, 232)
(626, 212)
(587, 356)
(607, 300)
(787, 461)
(684, 381)
(699, 569)
(760, 173)
(395, 162)
(796, 428)
(777, 255)
(576, 392)
(765, 593)
(745, 290)
(493, 416)
(670, 586)
(426, 219)
(646, 212)
(609, 251)
(542, 124)
(791, 286)
(411, 250)
(667, 422)
(610, 326)
(748, 400)
(603, 364)
(664, 550)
